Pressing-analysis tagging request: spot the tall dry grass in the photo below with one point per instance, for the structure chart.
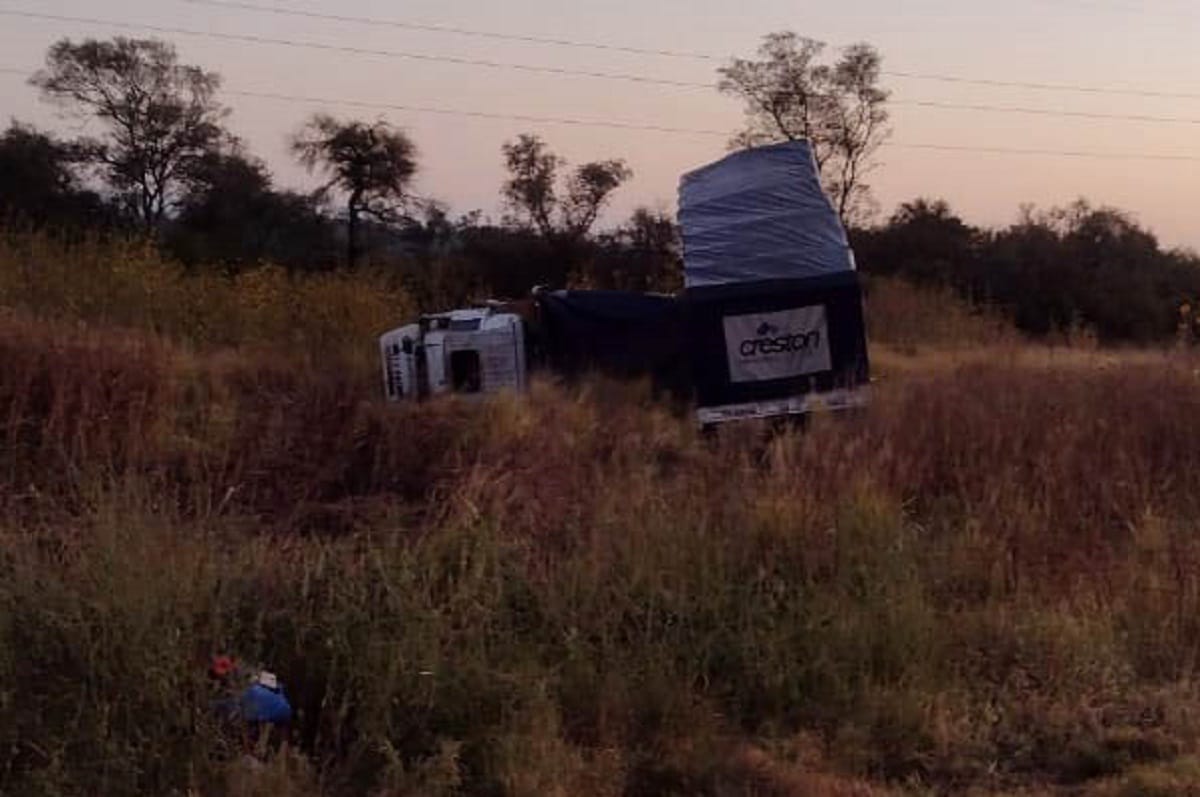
(912, 318)
(987, 582)
(113, 282)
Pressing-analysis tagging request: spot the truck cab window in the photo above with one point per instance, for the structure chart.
(466, 371)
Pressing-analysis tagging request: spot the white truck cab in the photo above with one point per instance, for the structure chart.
(476, 351)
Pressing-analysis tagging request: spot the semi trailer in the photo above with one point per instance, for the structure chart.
(770, 321)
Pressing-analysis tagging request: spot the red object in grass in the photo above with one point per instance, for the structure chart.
(221, 666)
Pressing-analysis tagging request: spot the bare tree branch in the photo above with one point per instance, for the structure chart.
(838, 109)
(532, 189)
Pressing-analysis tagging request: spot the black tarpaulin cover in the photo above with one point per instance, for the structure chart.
(719, 345)
(616, 332)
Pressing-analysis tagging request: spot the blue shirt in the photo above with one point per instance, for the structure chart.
(260, 704)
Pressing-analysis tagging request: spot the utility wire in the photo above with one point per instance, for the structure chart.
(559, 120)
(1058, 153)
(1060, 87)
(311, 45)
(1007, 109)
(594, 45)
(1016, 109)
(457, 31)
(1099, 6)
(651, 128)
(685, 130)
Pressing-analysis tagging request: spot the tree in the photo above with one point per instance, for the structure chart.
(838, 108)
(643, 254)
(231, 214)
(161, 116)
(373, 164)
(927, 243)
(1125, 293)
(531, 190)
(39, 181)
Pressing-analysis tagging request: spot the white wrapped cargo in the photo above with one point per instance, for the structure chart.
(759, 214)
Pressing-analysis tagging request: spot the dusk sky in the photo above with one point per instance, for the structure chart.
(1114, 44)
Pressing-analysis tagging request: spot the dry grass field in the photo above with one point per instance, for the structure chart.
(986, 584)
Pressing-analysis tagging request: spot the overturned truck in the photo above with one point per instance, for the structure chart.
(769, 323)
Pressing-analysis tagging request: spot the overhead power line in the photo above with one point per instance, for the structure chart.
(253, 39)
(292, 98)
(558, 120)
(1057, 153)
(653, 128)
(311, 45)
(609, 46)
(457, 31)
(604, 123)
(1098, 6)
(386, 106)
(1055, 87)
(1016, 109)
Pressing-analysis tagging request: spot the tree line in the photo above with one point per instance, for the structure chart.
(1076, 267)
(163, 164)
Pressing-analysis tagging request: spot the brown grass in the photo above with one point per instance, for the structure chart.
(1004, 540)
(911, 318)
(100, 283)
(986, 584)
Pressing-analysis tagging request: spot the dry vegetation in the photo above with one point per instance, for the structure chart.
(106, 282)
(986, 584)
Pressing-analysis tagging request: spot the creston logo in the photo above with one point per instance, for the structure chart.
(770, 339)
(768, 346)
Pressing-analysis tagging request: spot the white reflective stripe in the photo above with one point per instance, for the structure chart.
(840, 399)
